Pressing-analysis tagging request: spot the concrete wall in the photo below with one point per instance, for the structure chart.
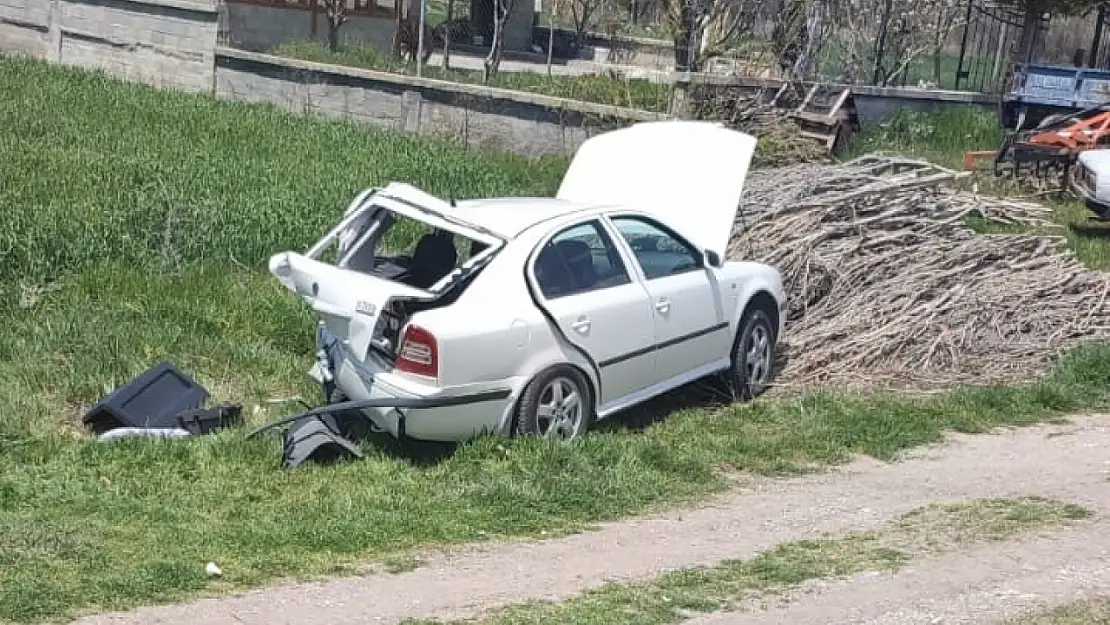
(165, 43)
(25, 27)
(632, 52)
(475, 116)
(877, 104)
(872, 104)
(260, 28)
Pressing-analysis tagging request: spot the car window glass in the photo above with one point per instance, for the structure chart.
(659, 252)
(578, 260)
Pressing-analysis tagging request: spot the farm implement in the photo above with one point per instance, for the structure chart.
(1052, 147)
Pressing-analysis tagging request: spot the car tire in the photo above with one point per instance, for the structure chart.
(753, 355)
(556, 404)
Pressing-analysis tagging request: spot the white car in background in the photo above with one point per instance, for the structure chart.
(541, 315)
(1090, 179)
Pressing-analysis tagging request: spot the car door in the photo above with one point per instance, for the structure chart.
(585, 287)
(691, 330)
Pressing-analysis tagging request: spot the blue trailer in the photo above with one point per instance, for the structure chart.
(1039, 91)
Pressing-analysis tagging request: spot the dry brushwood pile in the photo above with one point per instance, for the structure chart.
(780, 142)
(889, 286)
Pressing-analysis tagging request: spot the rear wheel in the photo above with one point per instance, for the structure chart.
(752, 355)
(555, 404)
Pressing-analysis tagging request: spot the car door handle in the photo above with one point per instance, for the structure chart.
(663, 305)
(581, 326)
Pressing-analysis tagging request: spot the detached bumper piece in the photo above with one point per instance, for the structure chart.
(315, 439)
(163, 402)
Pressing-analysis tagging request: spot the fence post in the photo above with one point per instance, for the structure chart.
(681, 86)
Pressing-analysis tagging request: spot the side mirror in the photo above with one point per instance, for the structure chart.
(713, 259)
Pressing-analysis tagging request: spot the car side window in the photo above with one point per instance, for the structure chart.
(659, 252)
(580, 259)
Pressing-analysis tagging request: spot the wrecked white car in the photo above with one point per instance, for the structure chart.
(541, 315)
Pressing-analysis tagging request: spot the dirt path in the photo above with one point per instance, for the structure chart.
(1070, 462)
(980, 586)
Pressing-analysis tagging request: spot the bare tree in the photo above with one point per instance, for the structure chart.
(337, 16)
(800, 29)
(554, 6)
(882, 38)
(399, 12)
(583, 13)
(448, 23)
(638, 10)
(704, 29)
(1036, 12)
(949, 16)
(501, 11)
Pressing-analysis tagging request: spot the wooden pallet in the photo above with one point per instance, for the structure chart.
(826, 114)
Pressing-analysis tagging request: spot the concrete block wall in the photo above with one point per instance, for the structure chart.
(164, 43)
(476, 116)
(25, 27)
(260, 28)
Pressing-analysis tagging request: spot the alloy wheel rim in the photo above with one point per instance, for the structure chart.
(559, 414)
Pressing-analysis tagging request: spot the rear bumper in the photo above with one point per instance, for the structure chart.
(441, 414)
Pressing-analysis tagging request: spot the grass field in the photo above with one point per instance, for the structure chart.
(134, 226)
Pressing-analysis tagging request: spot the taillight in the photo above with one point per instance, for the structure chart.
(419, 353)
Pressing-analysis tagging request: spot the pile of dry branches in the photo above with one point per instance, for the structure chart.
(889, 285)
(780, 142)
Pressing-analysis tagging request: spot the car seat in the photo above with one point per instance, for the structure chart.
(433, 258)
(551, 273)
(580, 261)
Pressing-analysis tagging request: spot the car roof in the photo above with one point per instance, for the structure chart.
(508, 217)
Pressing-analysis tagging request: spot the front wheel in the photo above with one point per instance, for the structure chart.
(556, 404)
(752, 355)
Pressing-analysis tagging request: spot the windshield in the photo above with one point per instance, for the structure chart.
(388, 244)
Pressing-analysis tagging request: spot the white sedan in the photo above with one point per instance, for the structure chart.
(442, 321)
(1090, 179)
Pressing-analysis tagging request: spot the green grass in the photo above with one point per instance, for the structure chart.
(631, 92)
(135, 226)
(941, 136)
(141, 177)
(1094, 611)
(732, 585)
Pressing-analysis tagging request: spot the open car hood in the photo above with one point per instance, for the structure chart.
(688, 174)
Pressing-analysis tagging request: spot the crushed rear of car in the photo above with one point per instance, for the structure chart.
(396, 253)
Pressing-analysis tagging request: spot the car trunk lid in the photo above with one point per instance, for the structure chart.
(350, 303)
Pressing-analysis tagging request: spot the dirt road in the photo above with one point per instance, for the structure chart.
(1069, 462)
